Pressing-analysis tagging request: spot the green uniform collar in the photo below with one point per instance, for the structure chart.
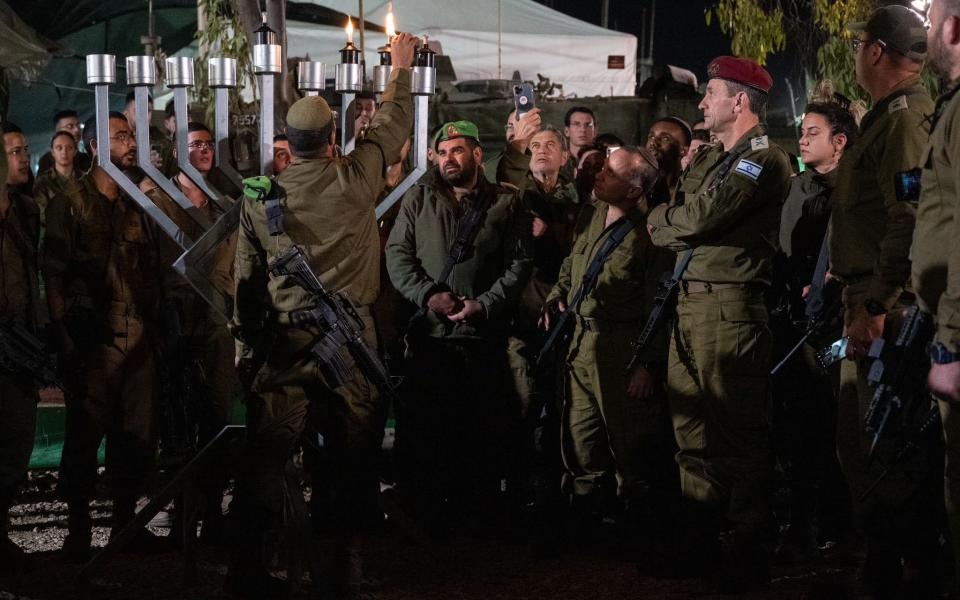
(910, 87)
(745, 142)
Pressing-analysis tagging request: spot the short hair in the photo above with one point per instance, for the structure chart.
(683, 125)
(838, 118)
(562, 139)
(366, 95)
(576, 109)
(62, 133)
(590, 148)
(65, 114)
(280, 138)
(9, 127)
(90, 127)
(132, 95)
(758, 99)
(609, 139)
(309, 143)
(170, 108)
(645, 174)
(193, 126)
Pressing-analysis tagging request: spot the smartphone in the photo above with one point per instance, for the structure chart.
(523, 98)
(907, 185)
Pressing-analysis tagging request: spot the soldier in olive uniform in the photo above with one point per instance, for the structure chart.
(720, 348)
(60, 177)
(103, 287)
(329, 213)
(870, 239)
(454, 416)
(936, 246)
(20, 300)
(613, 423)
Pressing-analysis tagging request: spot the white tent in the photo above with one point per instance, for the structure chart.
(533, 39)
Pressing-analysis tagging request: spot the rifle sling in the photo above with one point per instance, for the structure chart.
(465, 238)
(619, 231)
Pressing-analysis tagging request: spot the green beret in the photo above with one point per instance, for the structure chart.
(309, 114)
(454, 130)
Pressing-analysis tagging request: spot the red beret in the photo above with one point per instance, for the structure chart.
(742, 71)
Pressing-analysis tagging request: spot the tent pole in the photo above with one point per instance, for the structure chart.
(653, 20)
(363, 17)
(499, 41)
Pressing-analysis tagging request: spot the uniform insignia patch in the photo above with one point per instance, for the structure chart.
(452, 131)
(898, 104)
(759, 143)
(749, 169)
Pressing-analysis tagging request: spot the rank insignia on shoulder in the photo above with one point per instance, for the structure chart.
(759, 143)
(749, 169)
(898, 104)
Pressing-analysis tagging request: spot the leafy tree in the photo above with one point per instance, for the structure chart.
(755, 32)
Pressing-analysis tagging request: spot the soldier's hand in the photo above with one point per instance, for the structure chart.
(862, 330)
(444, 303)
(472, 310)
(640, 384)
(944, 381)
(402, 48)
(549, 312)
(539, 227)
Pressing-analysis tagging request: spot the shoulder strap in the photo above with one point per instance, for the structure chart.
(589, 281)
(466, 235)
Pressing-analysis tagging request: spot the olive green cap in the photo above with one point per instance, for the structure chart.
(456, 129)
(309, 114)
(899, 28)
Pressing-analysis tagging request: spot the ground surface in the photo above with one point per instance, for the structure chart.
(401, 569)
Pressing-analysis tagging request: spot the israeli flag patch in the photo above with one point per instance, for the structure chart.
(749, 169)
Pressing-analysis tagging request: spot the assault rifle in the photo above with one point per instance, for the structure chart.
(22, 353)
(560, 333)
(664, 306)
(339, 324)
(823, 306)
(899, 373)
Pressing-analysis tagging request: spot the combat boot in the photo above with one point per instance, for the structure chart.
(76, 546)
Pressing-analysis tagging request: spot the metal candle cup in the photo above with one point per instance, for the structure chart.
(267, 54)
(349, 74)
(424, 76)
(222, 72)
(101, 68)
(311, 76)
(381, 72)
(180, 71)
(141, 70)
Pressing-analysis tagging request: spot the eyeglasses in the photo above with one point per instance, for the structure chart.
(201, 145)
(856, 43)
(123, 138)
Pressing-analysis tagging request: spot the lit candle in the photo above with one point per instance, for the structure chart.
(349, 30)
(391, 26)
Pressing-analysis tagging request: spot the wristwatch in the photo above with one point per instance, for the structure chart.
(874, 307)
(941, 356)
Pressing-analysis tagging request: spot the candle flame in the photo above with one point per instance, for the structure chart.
(391, 26)
(349, 30)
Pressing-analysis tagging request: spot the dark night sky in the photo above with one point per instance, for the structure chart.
(682, 37)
